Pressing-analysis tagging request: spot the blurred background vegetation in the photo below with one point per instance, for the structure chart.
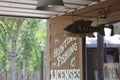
(20, 50)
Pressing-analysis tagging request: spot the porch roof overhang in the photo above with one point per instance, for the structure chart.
(27, 8)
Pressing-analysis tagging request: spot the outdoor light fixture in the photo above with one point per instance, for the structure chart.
(110, 29)
(50, 5)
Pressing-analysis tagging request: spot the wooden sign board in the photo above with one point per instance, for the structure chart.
(65, 62)
(65, 54)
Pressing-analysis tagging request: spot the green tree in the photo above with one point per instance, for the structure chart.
(32, 34)
(9, 35)
(20, 45)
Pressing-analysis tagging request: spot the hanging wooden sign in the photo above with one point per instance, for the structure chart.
(65, 62)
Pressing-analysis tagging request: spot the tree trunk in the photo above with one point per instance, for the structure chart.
(14, 49)
(0, 75)
(23, 70)
(13, 68)
(6, 72)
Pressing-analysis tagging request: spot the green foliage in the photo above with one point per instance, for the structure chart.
(2, 62)
(31, 34)
(3, 44)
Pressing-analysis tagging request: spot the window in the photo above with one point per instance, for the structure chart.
(102, 61)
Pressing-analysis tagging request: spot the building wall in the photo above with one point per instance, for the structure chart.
(56, 37)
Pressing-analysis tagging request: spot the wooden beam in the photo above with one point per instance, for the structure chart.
(109, 6)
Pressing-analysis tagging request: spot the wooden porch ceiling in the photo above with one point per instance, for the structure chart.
(27, 8)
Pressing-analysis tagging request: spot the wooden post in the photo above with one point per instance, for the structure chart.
(42, 65)
(100, 56)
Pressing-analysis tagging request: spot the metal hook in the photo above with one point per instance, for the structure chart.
(101, 13)
(73, 14)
